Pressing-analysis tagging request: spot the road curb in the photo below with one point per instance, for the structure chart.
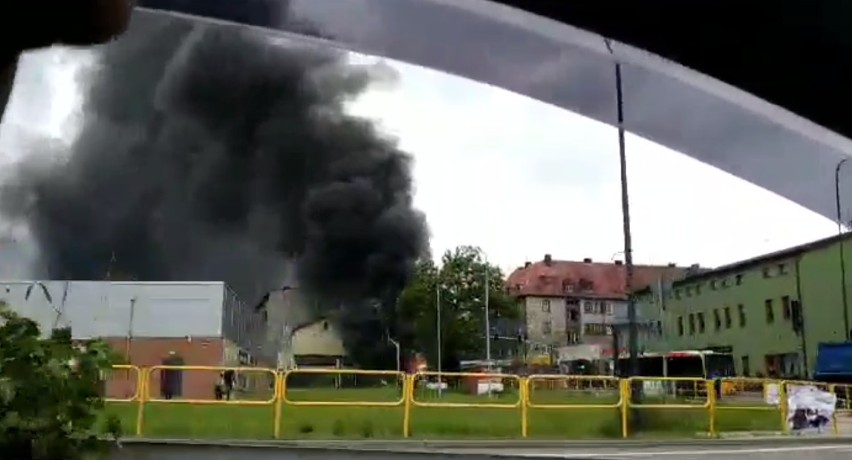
(462, 445)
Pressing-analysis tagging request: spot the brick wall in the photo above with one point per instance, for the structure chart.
(147, 352)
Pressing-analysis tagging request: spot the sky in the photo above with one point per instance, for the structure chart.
(520, 178)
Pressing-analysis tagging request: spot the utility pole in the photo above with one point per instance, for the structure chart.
(487, 320)
(632, 331)
(438, 328)
(843, 293)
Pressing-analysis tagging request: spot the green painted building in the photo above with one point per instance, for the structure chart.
(771, 311)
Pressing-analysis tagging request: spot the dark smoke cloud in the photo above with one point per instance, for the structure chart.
(213, 153)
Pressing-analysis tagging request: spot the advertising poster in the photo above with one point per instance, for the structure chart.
(809, 409)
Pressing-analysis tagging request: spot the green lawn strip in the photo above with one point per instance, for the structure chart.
(175, 420)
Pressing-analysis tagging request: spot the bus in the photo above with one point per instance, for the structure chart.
(687, 364)
(694, 364)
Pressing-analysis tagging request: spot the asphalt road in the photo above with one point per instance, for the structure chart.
(792, 452)
(839, 449)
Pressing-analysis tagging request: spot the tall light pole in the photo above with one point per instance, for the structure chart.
(487, 318)
(438, 329)
(398, 353)
(843, 293)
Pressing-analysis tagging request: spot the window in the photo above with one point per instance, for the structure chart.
(782, 269)
(595, 329)
(546, 328)
(573, 315)
(738, 280)
(689, 291)
(677, 293)
(691, 324)
(701, 322)
(545, 305)
(680, 325)
(698, 290)
(767, 273)
(717, 319)
(746, 366)
(589, 307)
(785, 307)
(770, 313)
(727, 317)
(713, 285)
(659, 328)
(741, 311)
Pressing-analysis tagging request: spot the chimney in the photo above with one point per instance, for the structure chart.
(671, 264)
(587, 260)
(618, 262)
(548, 260)
(527, 264)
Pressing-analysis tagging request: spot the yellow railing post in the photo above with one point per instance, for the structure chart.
(279, 402)
(408, 392)
(782, 405)
(711, 396)
(523, 387)
(142, 391)
(832, 388)
(624, 389)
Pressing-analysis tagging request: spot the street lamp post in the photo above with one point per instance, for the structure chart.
(438, 330)
(843, 292)
(487, 318)
(398, 353)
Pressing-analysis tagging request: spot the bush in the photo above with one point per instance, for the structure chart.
(49, 392)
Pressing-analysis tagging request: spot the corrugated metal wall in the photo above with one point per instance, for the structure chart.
(245, 326)
(117, 309)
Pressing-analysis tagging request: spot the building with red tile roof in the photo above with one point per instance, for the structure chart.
(573, 302)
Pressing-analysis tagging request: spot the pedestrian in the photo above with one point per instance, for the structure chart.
(228, 383)
(219, 387)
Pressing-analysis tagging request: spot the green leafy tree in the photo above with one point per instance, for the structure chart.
(49, 392)
(460, 284)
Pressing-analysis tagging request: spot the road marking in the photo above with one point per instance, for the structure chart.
(653, 453)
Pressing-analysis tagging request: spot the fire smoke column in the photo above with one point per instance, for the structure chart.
(212, 152)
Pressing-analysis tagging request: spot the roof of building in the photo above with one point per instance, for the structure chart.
(747, 264)
(559, 278)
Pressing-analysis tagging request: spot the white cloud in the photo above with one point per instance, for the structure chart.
(521, 178)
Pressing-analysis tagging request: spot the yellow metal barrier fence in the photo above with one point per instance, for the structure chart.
(400, 377)
(135, 381)
(659, 390)
(749, 394)
(844, 404)
(138, 392)
(473, 383)
(575, 383)
(661, 393)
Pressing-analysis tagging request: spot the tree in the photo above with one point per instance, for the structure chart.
(460, 281)
(49, 392)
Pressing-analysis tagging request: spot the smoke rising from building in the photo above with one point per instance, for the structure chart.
(212, 152)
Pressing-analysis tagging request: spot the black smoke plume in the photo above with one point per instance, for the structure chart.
(213, 152)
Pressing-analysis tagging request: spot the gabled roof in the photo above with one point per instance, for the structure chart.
(560, 278)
